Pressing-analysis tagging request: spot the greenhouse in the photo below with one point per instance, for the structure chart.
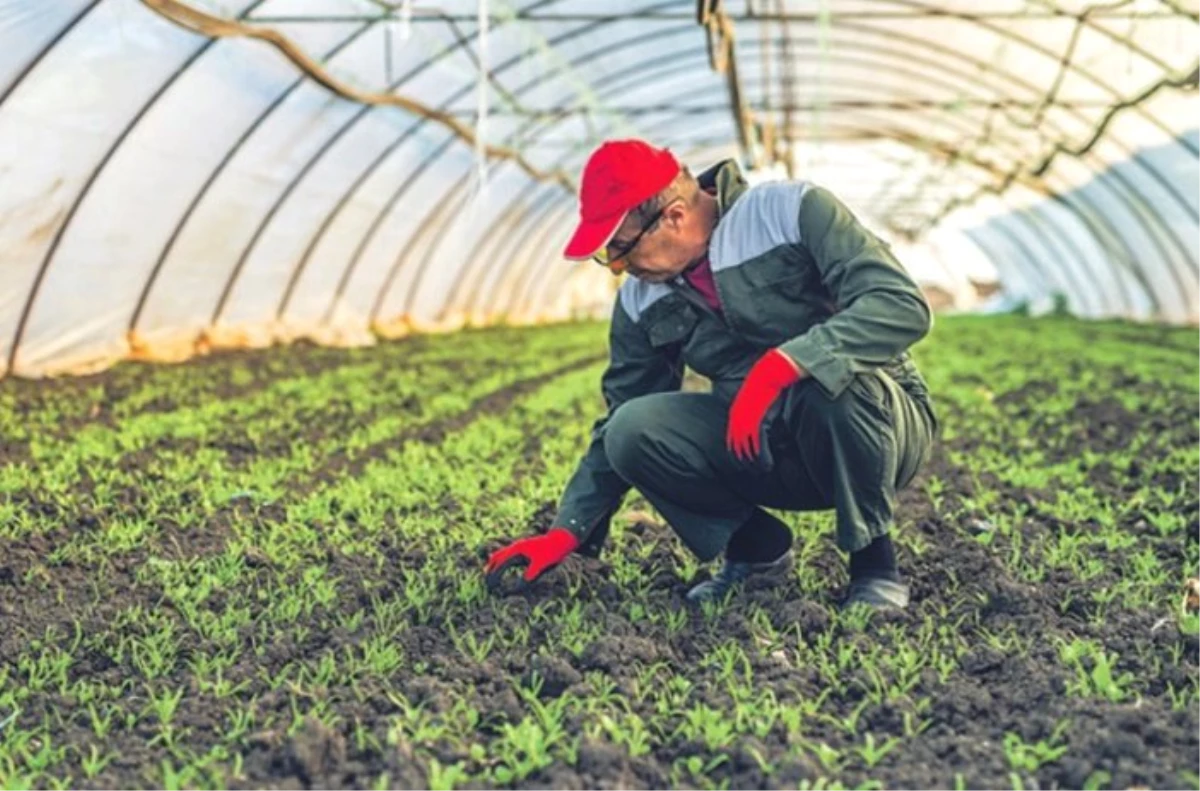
(867, 458)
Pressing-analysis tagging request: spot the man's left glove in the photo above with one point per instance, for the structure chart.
(543, 552)
(773, 372)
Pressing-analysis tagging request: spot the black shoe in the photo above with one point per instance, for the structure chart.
(877, 593)
(734, 573)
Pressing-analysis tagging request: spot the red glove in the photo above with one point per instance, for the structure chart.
(773, 372)
(543, 552)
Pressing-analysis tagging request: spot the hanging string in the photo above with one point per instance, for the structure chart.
(1129, 36)
(388, 72)
(406, 9)
(821, 96)
(471, 218)
(481, 98)
(399, 27)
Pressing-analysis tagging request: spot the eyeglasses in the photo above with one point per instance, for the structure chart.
(615, 262)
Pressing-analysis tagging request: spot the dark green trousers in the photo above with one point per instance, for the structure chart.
(850, 453)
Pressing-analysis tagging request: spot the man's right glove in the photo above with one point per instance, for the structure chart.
(543, 552)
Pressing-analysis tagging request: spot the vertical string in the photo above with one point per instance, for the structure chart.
(1129, 37)
(396, 27)
(406, 9)
(481, 97)
(468, 222)
(388, 71)
(824, 39)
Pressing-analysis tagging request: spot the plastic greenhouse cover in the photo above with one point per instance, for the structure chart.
(166, 192)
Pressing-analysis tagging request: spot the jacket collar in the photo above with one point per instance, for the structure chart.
(726, 176)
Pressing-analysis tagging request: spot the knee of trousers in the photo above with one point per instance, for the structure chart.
(628, 433)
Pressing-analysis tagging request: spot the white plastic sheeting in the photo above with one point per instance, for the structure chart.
(162, 192)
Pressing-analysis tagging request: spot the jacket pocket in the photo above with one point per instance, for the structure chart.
(777, 300)
(778, 272)
(670, 326)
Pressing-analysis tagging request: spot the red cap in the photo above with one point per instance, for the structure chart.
(619, 175)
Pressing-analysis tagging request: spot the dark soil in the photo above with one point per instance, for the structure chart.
(1141, 742)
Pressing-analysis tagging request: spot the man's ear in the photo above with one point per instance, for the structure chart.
(676, 215)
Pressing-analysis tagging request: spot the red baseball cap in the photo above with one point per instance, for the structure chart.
(618, 176)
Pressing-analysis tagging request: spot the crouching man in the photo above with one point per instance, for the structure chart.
(800, 317)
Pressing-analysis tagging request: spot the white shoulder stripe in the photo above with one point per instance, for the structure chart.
(636, 296)
(766, 216)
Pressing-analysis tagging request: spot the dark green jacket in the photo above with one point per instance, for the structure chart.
(793, 269)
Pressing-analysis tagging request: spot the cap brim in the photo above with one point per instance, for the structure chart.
(590, 237)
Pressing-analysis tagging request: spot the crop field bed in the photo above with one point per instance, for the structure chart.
(264, 569)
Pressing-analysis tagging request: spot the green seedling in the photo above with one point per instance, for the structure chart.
(1028, 758)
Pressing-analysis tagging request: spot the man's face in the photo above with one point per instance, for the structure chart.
(661, 249)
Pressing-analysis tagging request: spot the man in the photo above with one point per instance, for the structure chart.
(800, 317)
